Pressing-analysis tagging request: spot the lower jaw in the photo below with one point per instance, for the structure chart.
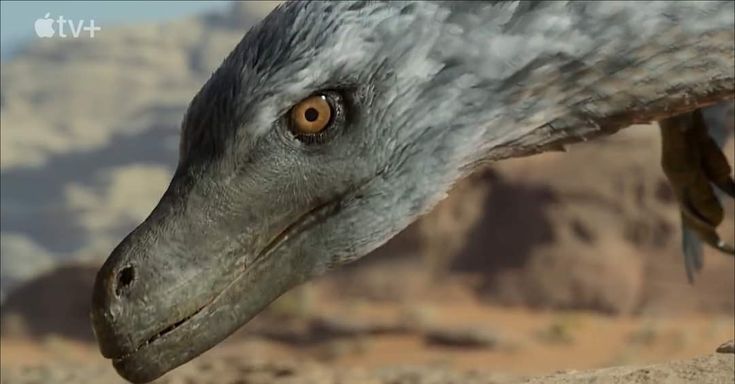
(223, 316)
(154, 359)
(191, 338)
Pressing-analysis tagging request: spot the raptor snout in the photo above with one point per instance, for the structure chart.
(160, 275)
(183, 267)
(113, 290)
(142, 288)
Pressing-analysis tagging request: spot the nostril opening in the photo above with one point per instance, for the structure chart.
(124, 279)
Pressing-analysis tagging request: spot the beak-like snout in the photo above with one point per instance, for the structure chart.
(114, 288)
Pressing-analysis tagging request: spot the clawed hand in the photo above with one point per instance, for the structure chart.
(693, 162)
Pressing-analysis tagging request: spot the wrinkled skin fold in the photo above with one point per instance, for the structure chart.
(424, 93)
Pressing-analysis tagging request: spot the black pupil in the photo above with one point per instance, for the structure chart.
(311, 114)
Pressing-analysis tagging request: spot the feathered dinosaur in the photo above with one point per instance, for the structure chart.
(333, 125)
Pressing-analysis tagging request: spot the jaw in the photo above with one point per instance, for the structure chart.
(243, 298)
(277, 268)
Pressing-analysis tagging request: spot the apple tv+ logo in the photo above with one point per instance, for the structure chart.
(45, 27)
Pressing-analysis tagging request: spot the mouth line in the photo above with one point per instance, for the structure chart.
(162, 333)
(312, 217)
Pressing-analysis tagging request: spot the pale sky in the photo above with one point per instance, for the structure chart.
(17, 17)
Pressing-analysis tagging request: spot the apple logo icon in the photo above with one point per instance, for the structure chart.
(45, 27)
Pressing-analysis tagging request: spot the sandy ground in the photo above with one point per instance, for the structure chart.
(527, 345)
(713, 368)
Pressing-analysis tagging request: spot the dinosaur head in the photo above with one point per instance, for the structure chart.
(318, 138)
(332, 125)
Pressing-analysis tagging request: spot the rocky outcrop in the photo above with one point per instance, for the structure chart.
(55, 303)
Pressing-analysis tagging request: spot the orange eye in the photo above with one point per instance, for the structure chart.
(312, 115)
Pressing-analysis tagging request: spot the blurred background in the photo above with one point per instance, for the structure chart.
(535, 265)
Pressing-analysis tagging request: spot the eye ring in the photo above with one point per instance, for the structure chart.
(311, 116)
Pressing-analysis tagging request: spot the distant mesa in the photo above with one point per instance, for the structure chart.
(55, 303)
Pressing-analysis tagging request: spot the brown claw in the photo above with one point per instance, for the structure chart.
(728, 187)
(714, 162)
(705, 231)
(692, 161)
